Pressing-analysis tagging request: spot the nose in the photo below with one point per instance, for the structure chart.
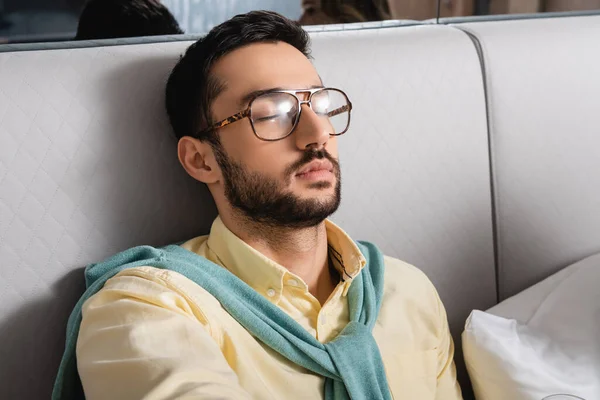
(312, 131)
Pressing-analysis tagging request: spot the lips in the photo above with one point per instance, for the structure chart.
(317, 165)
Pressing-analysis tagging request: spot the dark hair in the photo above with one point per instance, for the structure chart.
(191, 89)
(107, 19)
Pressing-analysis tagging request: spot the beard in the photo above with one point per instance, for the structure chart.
(263, 199)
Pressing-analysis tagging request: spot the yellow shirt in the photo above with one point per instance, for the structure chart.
(154, 334)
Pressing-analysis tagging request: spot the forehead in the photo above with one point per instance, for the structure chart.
(261, 66)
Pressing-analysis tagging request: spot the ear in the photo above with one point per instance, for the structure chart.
(197, 158)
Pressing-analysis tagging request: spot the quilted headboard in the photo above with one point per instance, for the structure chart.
(542, 90)
(88, 167)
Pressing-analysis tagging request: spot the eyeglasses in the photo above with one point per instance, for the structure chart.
(275, 114)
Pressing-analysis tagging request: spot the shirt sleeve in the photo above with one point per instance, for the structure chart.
(139, 338)
(447, 385)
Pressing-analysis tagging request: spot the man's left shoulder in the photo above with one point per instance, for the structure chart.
(407, 283)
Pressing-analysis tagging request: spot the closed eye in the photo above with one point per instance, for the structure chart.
(266, 118)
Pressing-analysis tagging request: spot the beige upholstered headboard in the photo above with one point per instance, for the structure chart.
(542, 86)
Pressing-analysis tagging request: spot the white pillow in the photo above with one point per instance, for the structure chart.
(550, 345)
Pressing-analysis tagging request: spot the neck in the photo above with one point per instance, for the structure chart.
(302, 251)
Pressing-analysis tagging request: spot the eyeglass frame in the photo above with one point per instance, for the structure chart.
(247, 113)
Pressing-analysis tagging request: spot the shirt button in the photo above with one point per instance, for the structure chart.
(292, 282)
(270, 293)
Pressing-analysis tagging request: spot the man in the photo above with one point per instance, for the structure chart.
(277, 301)
(109, 19)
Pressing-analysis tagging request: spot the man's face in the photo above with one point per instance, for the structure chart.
(267, 181)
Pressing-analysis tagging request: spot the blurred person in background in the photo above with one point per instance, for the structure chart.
(317, 12)
(108, 19)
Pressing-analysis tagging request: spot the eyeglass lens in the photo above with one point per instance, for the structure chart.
(273, 114)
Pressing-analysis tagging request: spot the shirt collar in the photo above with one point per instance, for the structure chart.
(348, 259)
(265, 275)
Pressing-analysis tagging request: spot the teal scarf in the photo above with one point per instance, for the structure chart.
(351, 363)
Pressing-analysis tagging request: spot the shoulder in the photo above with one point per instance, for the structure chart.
(139, 288)
(400, 277)
(404, 277)
(407, 288)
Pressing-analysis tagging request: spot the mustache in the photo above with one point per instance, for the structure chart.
(309, 156)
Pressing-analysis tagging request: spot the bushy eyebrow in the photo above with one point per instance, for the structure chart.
(255, 93)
